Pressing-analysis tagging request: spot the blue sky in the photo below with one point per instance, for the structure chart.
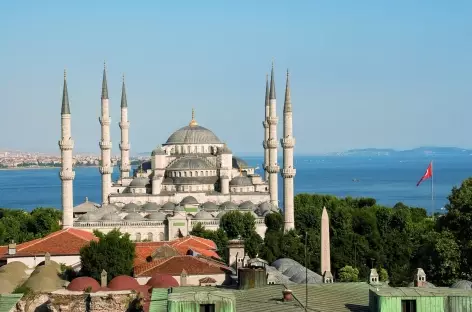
(364, 73)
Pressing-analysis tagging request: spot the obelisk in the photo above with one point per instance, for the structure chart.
(325, 248)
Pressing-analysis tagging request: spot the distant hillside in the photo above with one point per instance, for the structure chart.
(420, 151)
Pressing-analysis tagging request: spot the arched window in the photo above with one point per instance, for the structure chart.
(185, 173)
(161, 237)
(190, 173)
(138, 237)
(196, 173)
(149, 237)
(180, 174)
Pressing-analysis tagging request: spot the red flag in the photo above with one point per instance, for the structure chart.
(428, 174)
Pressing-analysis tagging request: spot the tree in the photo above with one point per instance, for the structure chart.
(237, 224)
(274, 222)
(253, 244)
(45, 221)
(113, 252)
(219, 237)
(348, 274)
(383, 275)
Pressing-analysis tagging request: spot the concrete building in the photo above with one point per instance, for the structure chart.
(191, 178)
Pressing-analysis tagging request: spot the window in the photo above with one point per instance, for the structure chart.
(207, 308)
(138, 237)
(150, 236)
(408, 305)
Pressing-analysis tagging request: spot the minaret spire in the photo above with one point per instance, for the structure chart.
(124, 144)
(288, 171)
(105, 144)
(67, 174)
(272, 143)
(265, 125)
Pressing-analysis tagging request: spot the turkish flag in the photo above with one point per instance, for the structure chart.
(428, 174)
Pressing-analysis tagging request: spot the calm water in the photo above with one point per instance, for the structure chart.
(387, 179)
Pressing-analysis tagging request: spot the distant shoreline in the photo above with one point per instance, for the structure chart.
(43, 167)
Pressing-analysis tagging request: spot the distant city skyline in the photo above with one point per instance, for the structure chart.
(363, 74)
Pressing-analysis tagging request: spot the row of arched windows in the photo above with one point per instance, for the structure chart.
(149, 237)
(184, 174)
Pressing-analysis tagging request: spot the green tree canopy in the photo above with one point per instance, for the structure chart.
(348, 274)
(113, 252)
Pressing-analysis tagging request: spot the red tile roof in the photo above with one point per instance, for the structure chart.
(175, 265)
(63, 242)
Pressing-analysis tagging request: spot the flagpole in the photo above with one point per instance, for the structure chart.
(432, 189)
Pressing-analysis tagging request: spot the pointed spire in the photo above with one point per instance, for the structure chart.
(65, 109)
(272, 83)
(124, 102)
(288, 101)
(267, 91)
(193, 122)
(104, 82)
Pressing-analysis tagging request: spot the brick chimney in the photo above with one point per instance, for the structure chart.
(12, 248)
(287, 293)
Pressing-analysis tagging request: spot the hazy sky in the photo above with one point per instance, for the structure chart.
(363, 73)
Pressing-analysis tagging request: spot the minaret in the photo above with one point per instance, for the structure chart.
(288, 172)
(124, 126)
(66, 144)
(325, 248)
(265, 124)
(273, 169)
(105, 144)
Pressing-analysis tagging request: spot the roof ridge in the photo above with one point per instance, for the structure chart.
(157, 263)
(76, 232)
(38, 240)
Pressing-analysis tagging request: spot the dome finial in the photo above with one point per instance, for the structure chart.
(193, 122)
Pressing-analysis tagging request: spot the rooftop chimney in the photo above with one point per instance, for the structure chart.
(373, 276)
(47, 258)
(420, 278)
(103, 279)
(12, 248)
(287, 293)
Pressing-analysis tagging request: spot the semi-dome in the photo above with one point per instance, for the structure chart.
(190, 162)
(203, 215)
(131, 207)
(240, 181)
(156, 216)
(84, 283)
(139, 182)
(189, 200)
(148, 207)
(283, 264)
(266, 206)
(89, 216)
(123, 282)
(133, 216)
(239, 163)
(224, 150)
(168, 206)
(111, 216)
(462, 284)
(193, 134)
(158, 151)
(228, 205)
(209, 206)
(247, 205)
(162, 281)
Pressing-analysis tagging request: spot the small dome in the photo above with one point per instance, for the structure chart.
(123, 282)
(462, 284)
(209, 206)
(221, 214)
(14, 267)
(228, 205)
(133, 216)
(240, 181)
(190, 162)
(148, 207)
(84, 283)
(108, 208)
(239, 163)
(131, 207)
(179, 208)
(203, 215)
(139, 182)
(158, 151)
(168, 206)
(283, 264)
(189, 200)
(111, 216)
(89, 216)
(86, 206)
(266, 206)
(193, 134)
(247, 205)
(162, 281)
(156, 216)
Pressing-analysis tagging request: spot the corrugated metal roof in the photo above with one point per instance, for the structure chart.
(158, 300)
(421, 292)
(7, 302)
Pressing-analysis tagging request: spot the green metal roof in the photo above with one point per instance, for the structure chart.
(7, 302)
(421, 292)
(158, 300)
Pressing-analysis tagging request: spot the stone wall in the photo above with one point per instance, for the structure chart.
(71, 301)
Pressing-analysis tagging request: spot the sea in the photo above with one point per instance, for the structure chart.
(387, 179)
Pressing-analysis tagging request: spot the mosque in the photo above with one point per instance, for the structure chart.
(192, 178)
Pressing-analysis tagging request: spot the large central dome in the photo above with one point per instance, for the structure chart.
(193, 134)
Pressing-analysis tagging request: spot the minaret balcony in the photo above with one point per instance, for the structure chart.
(287, 142)
(273, 120)
(272, 143)
(124, 125)
(104, 122)
(125, 168)
(265, 124)
(273, 169)
(67, 175)
(264, 144)
(105, 145)
(124, 147)
(106, 170)
(288, 172)
(66, 144)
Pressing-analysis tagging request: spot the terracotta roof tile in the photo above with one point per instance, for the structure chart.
(175, 265)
